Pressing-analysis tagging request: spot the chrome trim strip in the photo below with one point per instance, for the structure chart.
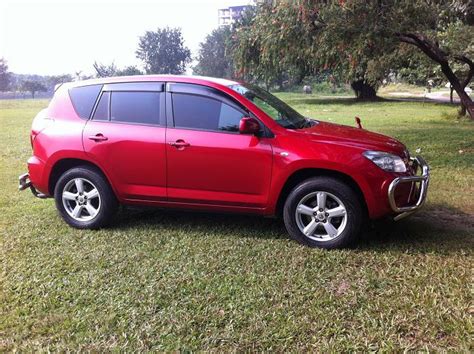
(424, 180)
(145, 86)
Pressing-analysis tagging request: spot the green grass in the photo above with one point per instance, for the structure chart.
(163, 280)
(405, 88)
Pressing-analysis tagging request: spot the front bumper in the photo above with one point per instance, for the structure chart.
(24, 183)
(419, 189)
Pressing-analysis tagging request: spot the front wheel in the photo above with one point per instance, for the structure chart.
(323, 212)
(84, 198)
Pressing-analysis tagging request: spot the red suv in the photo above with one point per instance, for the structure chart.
(216, 145)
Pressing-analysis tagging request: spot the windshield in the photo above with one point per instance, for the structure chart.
(281, 113)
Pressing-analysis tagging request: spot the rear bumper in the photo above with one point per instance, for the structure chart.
(418, 190)
(24, 183)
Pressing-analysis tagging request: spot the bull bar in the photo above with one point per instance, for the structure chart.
(423, 179)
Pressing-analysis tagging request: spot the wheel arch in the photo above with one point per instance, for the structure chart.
(66, 164)
(303, 174)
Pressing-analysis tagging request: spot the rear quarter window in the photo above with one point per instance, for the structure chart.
(83, 99)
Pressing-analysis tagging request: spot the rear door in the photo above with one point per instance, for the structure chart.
(208, 161)
(126, 137)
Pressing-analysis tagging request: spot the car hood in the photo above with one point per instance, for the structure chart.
(346, 135)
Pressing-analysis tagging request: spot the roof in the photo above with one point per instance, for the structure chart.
(144, 78)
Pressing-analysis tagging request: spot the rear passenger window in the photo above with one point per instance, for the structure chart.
(135, 107)
(102, 110)
(83, 99)
(199, 112)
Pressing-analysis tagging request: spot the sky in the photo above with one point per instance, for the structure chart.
(64, 37)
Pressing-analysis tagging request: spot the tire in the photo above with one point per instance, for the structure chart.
(336, 226)
(76, 207)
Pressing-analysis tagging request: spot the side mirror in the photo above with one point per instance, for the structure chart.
(249, 126)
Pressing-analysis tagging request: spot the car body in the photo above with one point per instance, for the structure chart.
(211, 144)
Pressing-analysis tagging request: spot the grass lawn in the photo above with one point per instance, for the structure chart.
(165, 280)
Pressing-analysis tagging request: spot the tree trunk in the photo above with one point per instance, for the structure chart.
(363, 90)
(467, 106)
(451, 91)
(280, 82)
(434, 52)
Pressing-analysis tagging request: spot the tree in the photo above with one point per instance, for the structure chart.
(312, 37)
(214, 58)
(449, 42)
(32, 87)
(358, 40)
(252, 60)
(4, 75)
(103, 70)
(130, 70)
(52, 81)
(163, 51)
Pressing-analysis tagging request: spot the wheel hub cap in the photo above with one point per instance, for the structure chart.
(320, 216)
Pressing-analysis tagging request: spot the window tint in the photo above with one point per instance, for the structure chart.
(198, 112)
(229, 118)
(83, 99)
(102, 110)
(135, 107)
(283, 114)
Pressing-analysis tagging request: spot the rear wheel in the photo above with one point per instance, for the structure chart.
(84, 198)
(323, 212)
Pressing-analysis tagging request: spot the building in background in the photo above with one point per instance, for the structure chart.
(227, 16)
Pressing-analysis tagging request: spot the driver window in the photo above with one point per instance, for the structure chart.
(204, 113)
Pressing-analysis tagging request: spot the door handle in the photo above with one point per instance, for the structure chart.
(180, 144)
(98, 137)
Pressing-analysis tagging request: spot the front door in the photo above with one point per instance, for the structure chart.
(208, 161)
(126, 139)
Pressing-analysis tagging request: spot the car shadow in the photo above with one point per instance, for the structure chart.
(436, 229)
(325, 100)
(240, 225)
(349, 101)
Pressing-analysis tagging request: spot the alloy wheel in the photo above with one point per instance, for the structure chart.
(81, 199)
(321, 216)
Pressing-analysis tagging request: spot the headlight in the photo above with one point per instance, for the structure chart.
(387, 162)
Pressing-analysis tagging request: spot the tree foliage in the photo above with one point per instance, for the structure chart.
(52, 81)
(313, 36)
(448, 41)
(357, 40)
(108, 70)
(163, 51)
(4, 75)
(215, 56)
